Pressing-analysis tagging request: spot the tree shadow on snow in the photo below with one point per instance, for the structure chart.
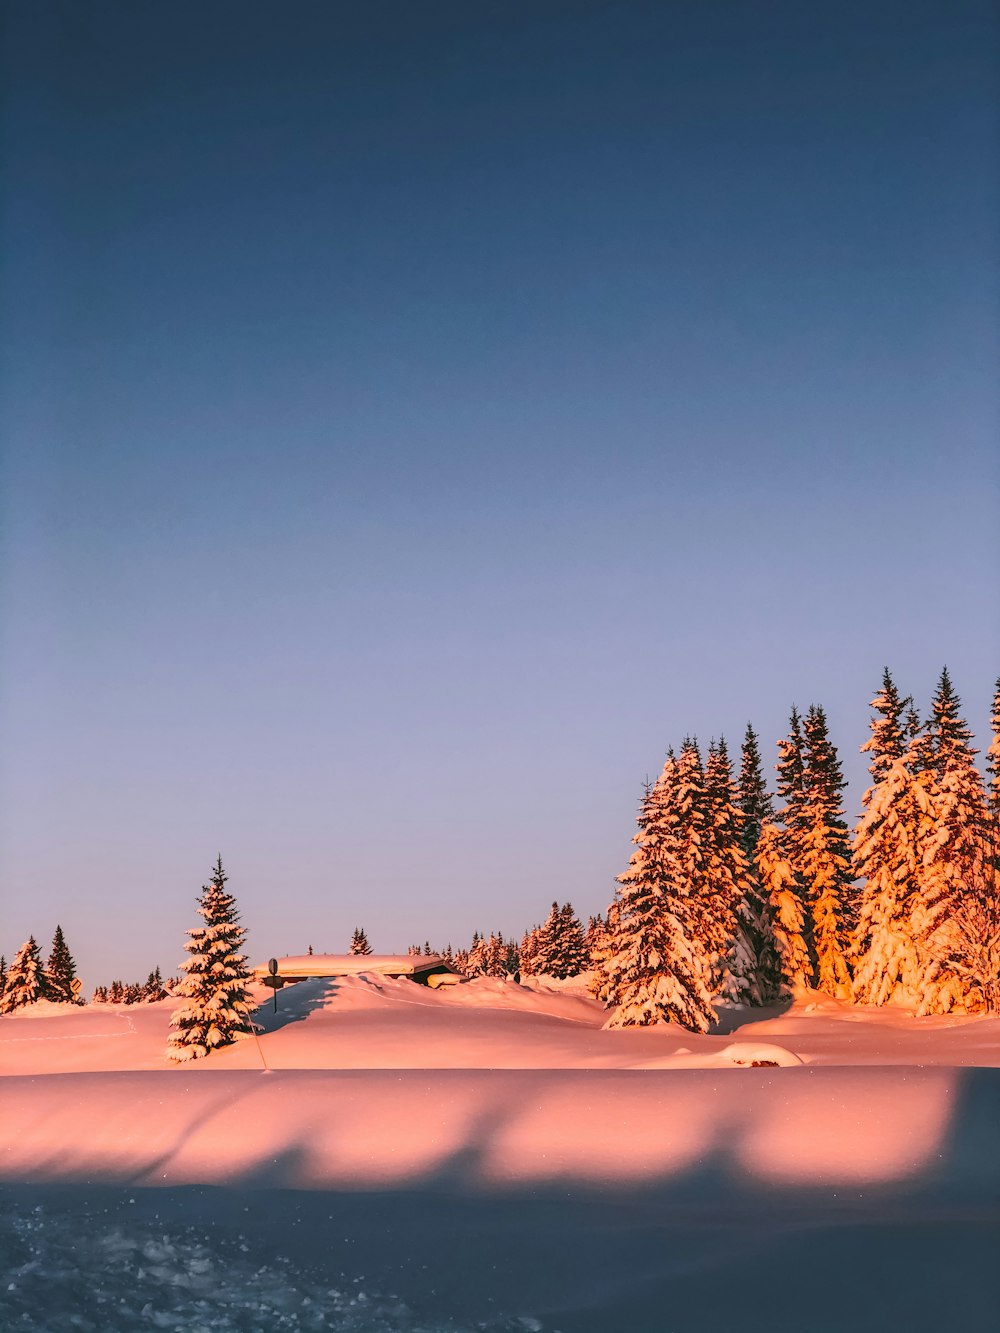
(733, 1017)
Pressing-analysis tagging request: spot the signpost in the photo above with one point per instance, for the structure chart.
(273, 980)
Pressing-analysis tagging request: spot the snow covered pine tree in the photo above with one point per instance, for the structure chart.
(60, 971)
(26, 981)
(215, 1001)
(359, 943)
(658, 963)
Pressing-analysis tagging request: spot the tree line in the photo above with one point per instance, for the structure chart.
(727, 898)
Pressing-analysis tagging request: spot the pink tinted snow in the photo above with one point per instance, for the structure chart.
(379, 1082)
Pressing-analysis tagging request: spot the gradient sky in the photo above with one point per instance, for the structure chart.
(417, 417)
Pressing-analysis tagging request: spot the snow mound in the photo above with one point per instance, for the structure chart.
(757, 1053)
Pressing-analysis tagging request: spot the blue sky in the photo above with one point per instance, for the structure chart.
(418, 417)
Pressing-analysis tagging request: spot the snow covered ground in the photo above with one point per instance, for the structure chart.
(385, 1157)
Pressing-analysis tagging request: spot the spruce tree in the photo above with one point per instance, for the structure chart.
(898, 815)
(993, 753)
(3, 973)
(100, 995)
(26, 980)
(825, 864)
(359, 943)
(953, 760)
(594, 940)
(562, 943)
(753, 797)
(153, 989)
(961, 821)
(738, 970)
(216, 1003)
(658, 967)
(60, 971)
(785, 965)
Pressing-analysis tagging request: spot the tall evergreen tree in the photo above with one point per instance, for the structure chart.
(825, 863)
(26, 981)
(754, 799)
(658, 968)
(785, 965)
(738, 970)
(953, 760)
(898, 816)
(3, 974)
(60, 971)
(359, 943)
(961, 819)
(216, 1003)
(993, 753)
(792, 793)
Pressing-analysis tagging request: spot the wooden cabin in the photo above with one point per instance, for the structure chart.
(425, 969)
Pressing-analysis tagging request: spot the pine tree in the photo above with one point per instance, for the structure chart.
(528, 952)
(738, 971)
(100, 995)
(359, 943)
(26, 980)
(754, 799)
(153, 989)
(658, 968)
(561, 951)
(898, 815)
(757, 910)
(216, 1003)
(595, 940)
(60, 971)
(116, 992)
(825, 852)
(993, 753)
(785, 965)
(3, 974)
(953, 761)
(961, 820)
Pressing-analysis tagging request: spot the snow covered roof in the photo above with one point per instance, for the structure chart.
(349, 965)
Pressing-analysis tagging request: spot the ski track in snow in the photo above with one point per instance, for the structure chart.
(130, 1031)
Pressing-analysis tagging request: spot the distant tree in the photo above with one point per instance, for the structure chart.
(527, 953)
(60, 971)
(100, 995)
(26, 981)
(3, 975)
(153, 989)
(557, 948)
(359, 943)
(216, 1003)
(595, 939)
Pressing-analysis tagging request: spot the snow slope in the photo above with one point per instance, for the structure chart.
(489, 1156)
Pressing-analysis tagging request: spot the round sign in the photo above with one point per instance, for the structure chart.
(272, 966)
